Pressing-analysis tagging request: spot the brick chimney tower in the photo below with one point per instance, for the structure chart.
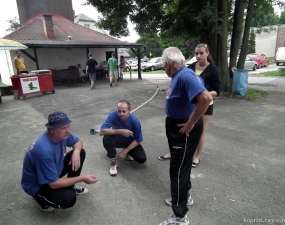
(48, 26)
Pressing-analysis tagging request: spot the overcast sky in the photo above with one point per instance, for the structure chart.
(8, 10)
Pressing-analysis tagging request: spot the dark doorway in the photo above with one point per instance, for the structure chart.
(108, 55)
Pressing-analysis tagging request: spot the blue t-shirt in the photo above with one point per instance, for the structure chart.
(43, 162)
(113, 121)
(180, 96)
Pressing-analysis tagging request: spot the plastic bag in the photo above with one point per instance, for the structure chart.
(240, 82)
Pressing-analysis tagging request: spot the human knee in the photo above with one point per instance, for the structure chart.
(82, 154)
(69, 202)
(141, 161)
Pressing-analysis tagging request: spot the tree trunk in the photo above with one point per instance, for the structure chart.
(243, 52)
(236, 33)
(222, 58)
(213, 37)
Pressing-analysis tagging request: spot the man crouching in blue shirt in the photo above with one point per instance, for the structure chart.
(122, 129)
(183, 128)
(46, 162)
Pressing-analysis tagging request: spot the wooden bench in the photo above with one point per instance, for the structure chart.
(66, 75)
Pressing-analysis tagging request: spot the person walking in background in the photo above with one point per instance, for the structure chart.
(206, 69)
(105, 69)
(122, 129)
(20, 63)
(183, 128)
(46, 163)
(122, 66)
(113, 70)
(91, 70)
(81, 73)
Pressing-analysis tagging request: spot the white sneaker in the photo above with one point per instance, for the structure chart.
(47, 209)
(173, 220)
(113, 169)
(129, 158)
(80, 190)
(189, 201)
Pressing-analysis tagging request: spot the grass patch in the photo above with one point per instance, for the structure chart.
(271, 60)
(254, 94)
(251, 94)
(274, 73)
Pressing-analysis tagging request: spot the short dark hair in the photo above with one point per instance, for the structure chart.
(90, 54)
(18, 51)
(113, 54)
(79, 64)
(126, 102)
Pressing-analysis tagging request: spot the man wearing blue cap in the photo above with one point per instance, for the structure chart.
(46, 162)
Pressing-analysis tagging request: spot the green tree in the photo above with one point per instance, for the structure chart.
(282, 17)
(251, 42)
(208, 21)
(13, 24)
(152, 45)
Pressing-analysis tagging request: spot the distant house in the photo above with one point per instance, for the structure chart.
(87, 22)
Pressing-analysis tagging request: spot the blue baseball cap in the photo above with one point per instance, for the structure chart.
(57, 119)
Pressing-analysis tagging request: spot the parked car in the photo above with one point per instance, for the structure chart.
(249, 64)
(189, 62)
(134, 65)
(261, 59)
(153, 64)
(280, 56)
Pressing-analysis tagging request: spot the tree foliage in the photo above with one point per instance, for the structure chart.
(152, 44)
(251, 42)
(182, 22)
(282, 17)
(14, 24)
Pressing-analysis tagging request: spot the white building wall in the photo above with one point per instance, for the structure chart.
(61, 58)
(91, 26)
(265, 42)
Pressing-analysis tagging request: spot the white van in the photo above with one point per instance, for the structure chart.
(280, 56)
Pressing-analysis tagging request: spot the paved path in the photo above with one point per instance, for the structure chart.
(240, 178)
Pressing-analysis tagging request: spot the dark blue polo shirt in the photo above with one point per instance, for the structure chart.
(180, 96)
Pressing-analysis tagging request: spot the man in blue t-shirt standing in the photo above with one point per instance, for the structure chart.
(183, 129)
(46, 162)
(122, 129)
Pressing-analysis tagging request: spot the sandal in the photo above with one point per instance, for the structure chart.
(162, 158)
(194, 165)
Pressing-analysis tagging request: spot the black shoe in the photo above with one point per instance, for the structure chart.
(111, 85)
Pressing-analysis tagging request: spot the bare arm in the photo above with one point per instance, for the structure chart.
(123, 153)
(86, 68)
(16, 64)
(124, 132)
(68, 181)
(202, 103)
(75, 158)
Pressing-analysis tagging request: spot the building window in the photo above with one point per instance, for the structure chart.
(86, 25)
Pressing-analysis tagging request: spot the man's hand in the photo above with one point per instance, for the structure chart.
(90, 179)
(122, 155)
(186, 128)
(75, 160)
(126, 132)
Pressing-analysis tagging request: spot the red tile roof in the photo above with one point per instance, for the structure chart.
(32, 34)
